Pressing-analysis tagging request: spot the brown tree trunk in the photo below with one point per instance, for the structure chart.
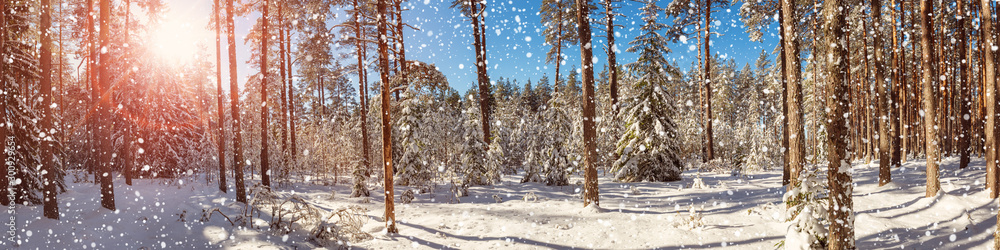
(786, 172)
(612, 55)
(4, 86)
(708, 149)
(841, 189)
(383, 59)
(989, 78)
(265, 162)
(95, 90)
(484, 80)
(363, 92)
(965, 116)
(895, 116)
(929, 105)
(218, 89)
(401, 46)
(104, 112)
(589, 132)
(284, 90)
(884, 140)
(291, 99)
(234, 98)
(51, 206)
(793, 70)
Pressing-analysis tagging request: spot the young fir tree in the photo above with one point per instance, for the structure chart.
(474, 149)
(411, 169)
(556, 150)
(648, 148)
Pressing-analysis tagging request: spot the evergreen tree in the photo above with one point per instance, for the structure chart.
(473, 168)
(648, 148)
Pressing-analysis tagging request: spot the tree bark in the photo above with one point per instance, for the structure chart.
(265, 163)
(291, 98)
(785, 172)
(589, 132)
(895, 114)
(965, 116)
(284, 90)
(104, 112)
(612, 55)
(707, 78)
(884, 140)
(484, 80)
(223, 186)
(50, 205)
(383, 52)
(793, 70)
(234, 98)
(841, 205)
(929, 105)
(363, 92)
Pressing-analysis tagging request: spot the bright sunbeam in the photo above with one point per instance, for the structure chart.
(176, 37)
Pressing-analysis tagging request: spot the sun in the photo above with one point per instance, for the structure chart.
(176, 40)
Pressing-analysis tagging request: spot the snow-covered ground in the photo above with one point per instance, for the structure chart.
(735, 212)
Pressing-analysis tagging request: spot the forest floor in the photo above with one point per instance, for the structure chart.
(731, 212)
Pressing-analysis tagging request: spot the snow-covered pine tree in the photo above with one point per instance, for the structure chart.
(473, 170)
(648, 148)
(410, 170)
(556, 151)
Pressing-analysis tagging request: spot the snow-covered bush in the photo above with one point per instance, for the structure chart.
(648, 148)
(344, 230)
(807, 213)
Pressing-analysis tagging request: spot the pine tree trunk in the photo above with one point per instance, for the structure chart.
(223, 186)
(965, 116)
(707, 78)
(895, 114)
(104, 112)
(796, 126)
(291, 99)
(884, 140)
(930, 111)
(400, 45)
(265, 162)
(50, 205)
(484, 80)
(841, 189)
(786, 172)
(589, 132)
(383, 52)
(95, 90)
(234, 98)
(363, 92)
(284, 90)
(612, 55)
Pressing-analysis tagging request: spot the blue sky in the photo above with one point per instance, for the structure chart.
(515, 45)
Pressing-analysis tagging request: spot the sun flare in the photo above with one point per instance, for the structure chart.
(176, 40)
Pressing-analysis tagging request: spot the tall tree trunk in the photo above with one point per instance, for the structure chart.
(51, 206)
(360, 189)
(484, 80)
(95, 90)
(104, 112)
(841, 206)
(223, 186)
(785, 171)
(284, 82)
(895, 114)
(264, 159)
(929, 106)
(989, 78)
(383, 61)
(612, 55)
(589, 132)
(964, 98)
(559, 44)
(291, 99)
(234, 98)
(884, 116)
(709, 150)
(793, 70)
(400, 45)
